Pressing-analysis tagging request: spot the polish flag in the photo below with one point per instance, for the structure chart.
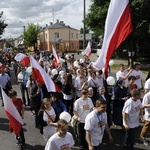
(42, 77)
(87, 51)
(56, 57)
(23, 59)
(118, 26)
(2, 66)
(15, 120)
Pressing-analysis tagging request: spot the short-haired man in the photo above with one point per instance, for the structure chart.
(95, 124)
(131, 113)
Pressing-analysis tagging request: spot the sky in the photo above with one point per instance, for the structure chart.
(19, 13)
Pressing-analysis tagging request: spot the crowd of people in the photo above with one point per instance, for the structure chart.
(84, 95)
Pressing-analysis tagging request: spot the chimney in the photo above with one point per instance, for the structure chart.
(46, 25)
(57, 20)
(51, 23)
(61, 22)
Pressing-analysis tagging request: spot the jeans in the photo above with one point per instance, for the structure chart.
(23, 90)
(129, 138)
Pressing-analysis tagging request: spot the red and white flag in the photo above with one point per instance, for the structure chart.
(56, 57)
(87, 51)
(15, 120)
(118, 26)
(23, 59)
(2, 66)
(42, 77)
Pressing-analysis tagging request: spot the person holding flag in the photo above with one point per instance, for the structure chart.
(14, 109)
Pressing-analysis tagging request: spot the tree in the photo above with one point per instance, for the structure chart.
(139, 38)
(2, 25)
(30, 35)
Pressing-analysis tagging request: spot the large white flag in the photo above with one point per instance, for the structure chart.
(118, 26)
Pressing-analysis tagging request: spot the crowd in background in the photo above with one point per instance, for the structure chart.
(81, 85)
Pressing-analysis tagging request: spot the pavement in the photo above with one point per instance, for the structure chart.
(35, 141)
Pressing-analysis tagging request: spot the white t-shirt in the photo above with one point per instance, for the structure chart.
(146, 100)
(48, 130)
(132, 109)
(95, 124)
(58, 143)
(120, 73)
(147, 84)
(138, 82)
(78, 84)
(83, 107)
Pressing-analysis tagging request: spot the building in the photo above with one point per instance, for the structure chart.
(61, 36)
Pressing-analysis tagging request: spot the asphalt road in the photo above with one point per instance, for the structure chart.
(35, 141)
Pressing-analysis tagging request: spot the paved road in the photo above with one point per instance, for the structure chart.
(34, 140)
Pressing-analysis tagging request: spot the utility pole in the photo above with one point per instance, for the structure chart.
(84, 34)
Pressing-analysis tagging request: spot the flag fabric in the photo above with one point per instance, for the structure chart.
(118, 26)
(87, 51)
(2, 66)
(23, 59)
(42, 77)
(56, 57)
(41, 58)
(15, 120)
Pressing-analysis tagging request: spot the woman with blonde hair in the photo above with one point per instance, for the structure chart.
(46, 118)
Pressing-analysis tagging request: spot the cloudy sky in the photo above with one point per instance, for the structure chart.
(18, 13)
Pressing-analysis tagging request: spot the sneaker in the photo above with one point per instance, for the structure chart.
(143, 140)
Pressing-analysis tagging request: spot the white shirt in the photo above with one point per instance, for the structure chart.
(58, 143)
(120, 73)
(78, 84)
(4, 79)
(95, 126)
(138, 82)
(146, 100)
(83, 107)
(147, 84)
(132, 109)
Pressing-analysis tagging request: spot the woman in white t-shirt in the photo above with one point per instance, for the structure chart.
(61, 140)
(48, 117)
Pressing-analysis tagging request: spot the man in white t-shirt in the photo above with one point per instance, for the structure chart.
(138, 75)
(131, 113)
(95, 124)
(146, 127)
(123, 74)
(147, 86)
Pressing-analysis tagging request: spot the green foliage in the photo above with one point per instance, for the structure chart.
(140, 12)
(30, 35)
(3, 25)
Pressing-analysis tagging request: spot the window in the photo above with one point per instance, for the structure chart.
(57, 46)
(77, 36)
(72, 35)
(56, 35)
(46, 36)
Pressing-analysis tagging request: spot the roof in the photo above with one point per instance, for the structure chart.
(58, 25)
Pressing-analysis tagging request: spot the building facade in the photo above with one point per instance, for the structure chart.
(61, 36)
